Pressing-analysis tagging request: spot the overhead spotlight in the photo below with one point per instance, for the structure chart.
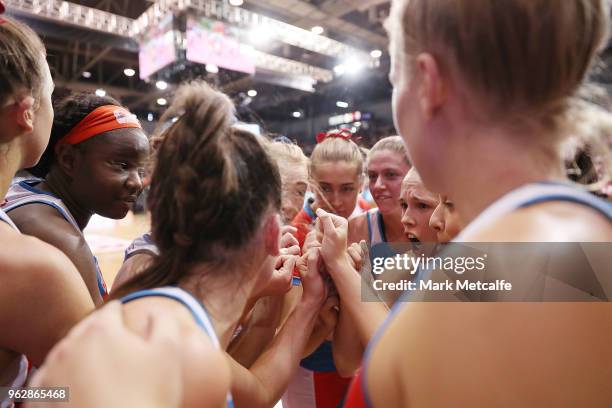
(86, 74)
(297, 114)
(339, 69)
(376, 53)
(212, 68)
(318, 30)
(150, 117)
(100, 92)
(342, 104)
(161, 85)
(252, 93)
(162, 102)
(236, 2)
(354, 66)
(129, 72)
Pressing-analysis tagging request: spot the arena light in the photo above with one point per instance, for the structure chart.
(376, 53)
(236, 2)
(162, 102)
(86, 74)
(100, 92)
(150, 117)
(297, 114)
(342, 104)
(212, 68)
(318, 30)
(129, 72)
(252, 93)
(354, 66)
(339, 70)
(161, 85)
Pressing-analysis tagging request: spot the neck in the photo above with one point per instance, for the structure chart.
(394, 230)
(59, 185)
(478, 177)
(215, 293)
(10, 162)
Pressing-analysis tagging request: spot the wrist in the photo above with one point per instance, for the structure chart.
(310, 304)
(340, 266)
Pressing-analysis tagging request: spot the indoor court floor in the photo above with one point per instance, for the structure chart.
(108, 240)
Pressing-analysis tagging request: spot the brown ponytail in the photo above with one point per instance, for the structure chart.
(211, 185)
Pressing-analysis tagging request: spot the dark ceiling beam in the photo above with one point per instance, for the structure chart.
(339, 8)
(303, 14)
(91, 62)
(145, 99)
(55, 49)
(119, 92)
(237, 85)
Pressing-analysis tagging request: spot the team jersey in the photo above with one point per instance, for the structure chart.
(521, 197)
(24, 192)
(142, 244)
(195, 307)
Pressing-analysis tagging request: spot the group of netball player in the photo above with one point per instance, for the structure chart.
(248, 288)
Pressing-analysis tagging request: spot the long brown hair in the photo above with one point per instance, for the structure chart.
(212, 184)
(21, 53)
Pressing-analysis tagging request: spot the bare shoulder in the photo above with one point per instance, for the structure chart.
(42, 294)
(28, 259)
(358, 228)
(548, 222)
(47, 224)
(491, 351)
(206, 373)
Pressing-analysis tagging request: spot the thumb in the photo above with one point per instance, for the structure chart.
(326, 222)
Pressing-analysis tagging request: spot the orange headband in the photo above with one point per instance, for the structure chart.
(100, 120)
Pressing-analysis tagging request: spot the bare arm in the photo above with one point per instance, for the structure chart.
(46, 224)
(259, 332)
(348, 347)
(41, 297)
(264, 383)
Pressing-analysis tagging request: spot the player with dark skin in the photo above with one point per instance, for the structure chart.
(101, 175)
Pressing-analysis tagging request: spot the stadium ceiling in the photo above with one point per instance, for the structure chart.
(99, 39)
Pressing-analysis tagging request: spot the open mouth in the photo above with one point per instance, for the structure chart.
(415, 242)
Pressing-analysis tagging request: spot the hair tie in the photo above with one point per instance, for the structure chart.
(342, 133)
